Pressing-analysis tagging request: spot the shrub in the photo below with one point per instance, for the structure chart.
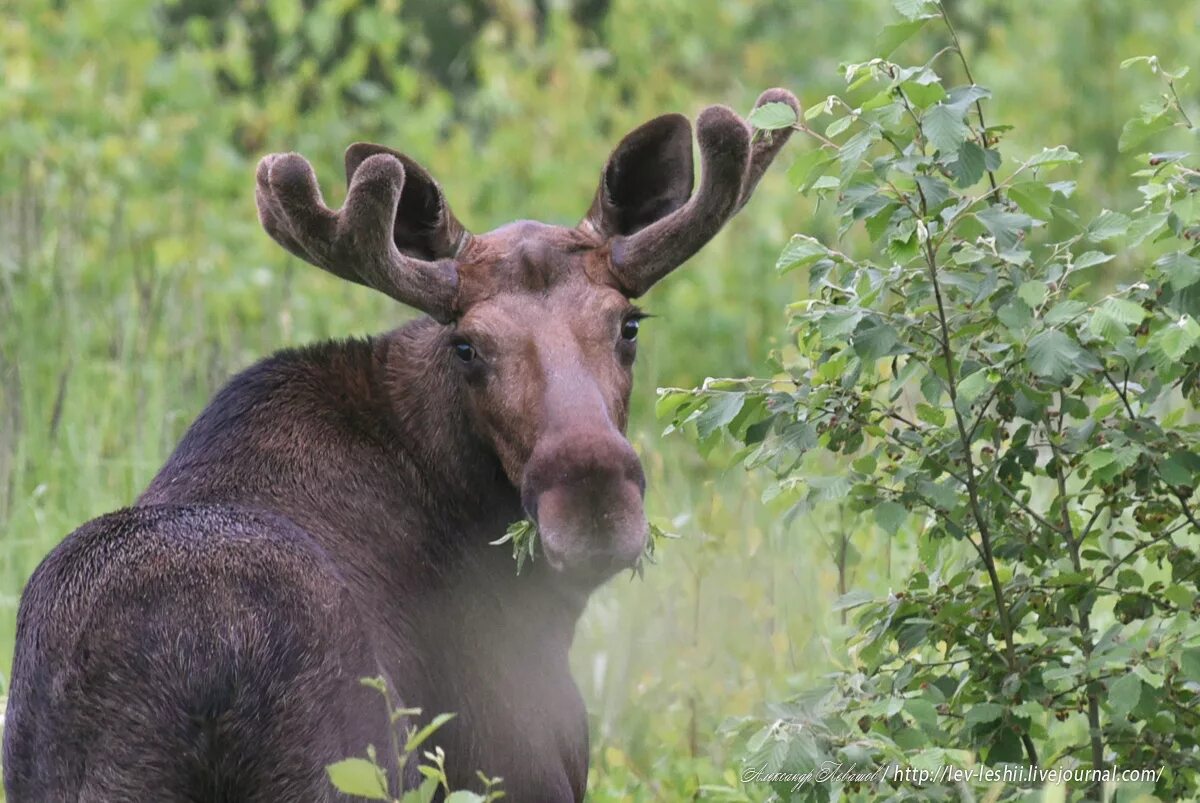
(1028, 434)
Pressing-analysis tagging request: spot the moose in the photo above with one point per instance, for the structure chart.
(327, 517)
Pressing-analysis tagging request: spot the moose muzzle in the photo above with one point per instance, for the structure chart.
(584, 490)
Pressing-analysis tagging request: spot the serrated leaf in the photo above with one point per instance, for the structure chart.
(981, 713)
(801, 250)
(1174, 339)
(722, 409)
(911, 9)
(1107, 225)
(851, 599)
(890, 516)
(1032, 293)
(419, 737)
(771, 116)
(808, 167)
(1065, 311)
(1053, 355)
(838, 126)
(963, 96)
(1091, 259)
(923, 95)
(1006, 227)
(1181, 269)
(1033, 197)
(1144, 227)
(1016, 315)
(1124, 694)
(1189, 664)
(1114, 316)
(1138, 130)
(944, 128)
(874, 342)
(935, 191)
(973, 386)
(969, 165)
(1057, 155)
(856, 147)
(464, 796)
(357, 777)
(896, 34)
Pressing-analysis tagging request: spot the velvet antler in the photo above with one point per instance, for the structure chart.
(362, 242)
(654, 162)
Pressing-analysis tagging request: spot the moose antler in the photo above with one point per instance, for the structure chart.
(732, 165)
(358, 241)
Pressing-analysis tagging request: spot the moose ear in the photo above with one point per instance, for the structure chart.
(425, 227)
(648, 176)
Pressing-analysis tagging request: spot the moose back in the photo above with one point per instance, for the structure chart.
(327, 517)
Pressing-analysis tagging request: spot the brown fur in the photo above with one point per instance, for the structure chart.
(327, 517)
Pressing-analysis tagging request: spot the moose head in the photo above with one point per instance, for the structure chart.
(538, 321)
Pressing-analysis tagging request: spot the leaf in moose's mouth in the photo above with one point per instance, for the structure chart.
(524, 537)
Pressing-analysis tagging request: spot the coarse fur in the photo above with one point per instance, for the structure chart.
(328, 516)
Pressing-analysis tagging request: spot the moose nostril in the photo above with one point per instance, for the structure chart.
(596, 465)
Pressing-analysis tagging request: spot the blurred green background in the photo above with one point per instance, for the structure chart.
(134, 279)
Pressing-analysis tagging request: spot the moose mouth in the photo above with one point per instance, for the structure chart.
(587, 539)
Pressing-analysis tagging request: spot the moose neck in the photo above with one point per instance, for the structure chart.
(495, 643)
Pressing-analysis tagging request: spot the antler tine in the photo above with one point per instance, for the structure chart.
(355, 243)
(767, 144)
(731, 168)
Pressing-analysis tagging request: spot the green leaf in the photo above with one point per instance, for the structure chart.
(973, 387)
(809, 167)
(358, 777)
(981, 713)
(1112, 319)
(1174, 339)
(852, 599)
(935, 191)
(1107, 225)
(856, 147)
(1144, 227)
(896, 34)
(1033, 197)
(1032, 293)
(912, 9)
(874, 342)
(944, 128)
(1054, 156)
(464, 796)
(722, 408)
(1065, 311)
(1091, 259)
(922, 711)
(1181, 269)
(1016, 315)
(1123, 694)
(969, 166)
(1054, 355)
(801, 250)
(890, 516)
(1189, 664)
(1138, 130)
(923, 95)
(771, 116)
(419, 737)
(1006, 227)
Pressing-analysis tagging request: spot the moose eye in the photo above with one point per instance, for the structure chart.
(629, 329)
(464, 351)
